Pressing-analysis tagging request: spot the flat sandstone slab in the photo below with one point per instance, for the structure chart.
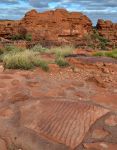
(61, 121)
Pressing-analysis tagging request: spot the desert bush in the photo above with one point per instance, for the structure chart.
(94, 40)
(17, 37)
(24, 60)
(9, 49)
(19, 60)
(61, 62)
(112, 54)
(100, 54)
(41, 63)
(103, 42)
(1, 51)
(27, 37)
(1, 58)
(62, 51)
(12, 48)
(39, 48)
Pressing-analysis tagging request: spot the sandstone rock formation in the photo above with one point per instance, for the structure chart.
(8, 28)
(59, 26)
(108, 30)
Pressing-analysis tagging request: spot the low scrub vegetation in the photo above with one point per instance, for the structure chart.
(9, 49)
(41, 63)
(39, 48)
(27, 37)
(62, 51)
(96, 41)
(112, 54)
(22, 58)
(19, 60)
(12, 48)
(61, 62)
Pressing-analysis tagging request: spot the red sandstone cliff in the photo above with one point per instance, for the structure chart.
(58, 27)
(108, 30)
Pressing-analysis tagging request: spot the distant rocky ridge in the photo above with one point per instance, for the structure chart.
(59, 27)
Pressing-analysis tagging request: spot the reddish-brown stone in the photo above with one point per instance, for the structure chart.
(56, 27)
(65, 122)
(59, 106)
(106, 99)
(99, 133)
(59, 26)
(2, 145)
(6, 113)
(108, 30)
(20, 96)
(111, 121)
(100, 146)
(2, 85)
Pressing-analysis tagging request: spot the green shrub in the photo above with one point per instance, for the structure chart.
(39, 48)
(99, 54)
(1, 51)
(62, 51)
(61, 62)
(1, 57)
(41, 63)
(24, 60)
(27, 37)
(103, 40)
(19, 60)
(9, 49)
(17, 37)
(12, 48)
(112, 54)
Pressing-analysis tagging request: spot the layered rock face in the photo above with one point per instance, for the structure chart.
(59, 26)
(108, 30)
(8, 28)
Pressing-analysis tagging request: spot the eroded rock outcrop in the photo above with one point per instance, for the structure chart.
(108, 30)
(59, 26)
(8, 28)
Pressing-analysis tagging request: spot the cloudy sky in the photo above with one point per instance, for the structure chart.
(105, 9)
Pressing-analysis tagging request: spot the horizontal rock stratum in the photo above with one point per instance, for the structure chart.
(58, 27)
(107, 29)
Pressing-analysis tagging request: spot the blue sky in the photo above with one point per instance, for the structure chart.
(105, 9)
